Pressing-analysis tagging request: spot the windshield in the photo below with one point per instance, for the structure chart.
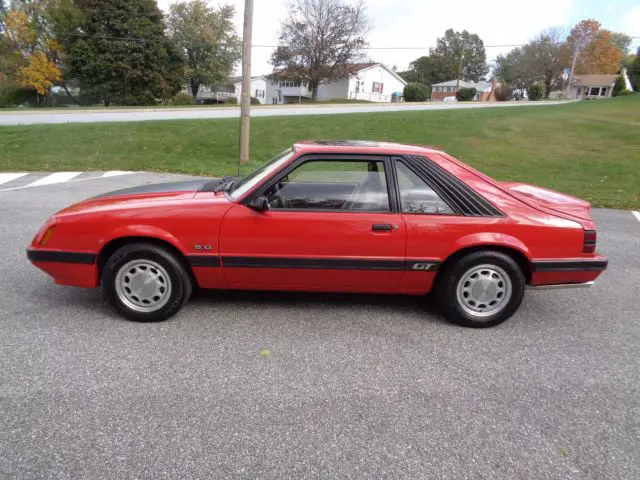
(255, 177)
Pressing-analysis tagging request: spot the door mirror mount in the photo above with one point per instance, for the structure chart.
(259, 204)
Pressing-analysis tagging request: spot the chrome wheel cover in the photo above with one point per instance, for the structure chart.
(143, 286)
(484, 290)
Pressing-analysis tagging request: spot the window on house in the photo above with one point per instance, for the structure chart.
(594, 91)
(603, 92)
(259, 93)
(451, 89)
(333, 185)
(377, 87)
(416, 196)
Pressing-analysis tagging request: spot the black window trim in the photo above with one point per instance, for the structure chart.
(452, 190)
(430, 183)
(389, 170)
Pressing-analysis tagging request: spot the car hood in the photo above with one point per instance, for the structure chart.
(159, 195)
(171, 187)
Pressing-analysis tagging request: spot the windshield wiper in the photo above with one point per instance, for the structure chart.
(225, 185)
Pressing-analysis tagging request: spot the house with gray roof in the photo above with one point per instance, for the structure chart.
(442, 90)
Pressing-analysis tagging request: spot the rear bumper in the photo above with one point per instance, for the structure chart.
(567, 273)
(77, 269)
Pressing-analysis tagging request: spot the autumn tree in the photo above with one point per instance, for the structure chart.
(207, 40)
(34, 54)
(119, 52)
(590, 49)
(320, 39)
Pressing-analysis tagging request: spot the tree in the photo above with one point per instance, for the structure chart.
(120, 53)
(622, 41)
(31, 54)
(415, 92)
(635, 72)
(618, 86)
(466, 94)
(459, 55)
(40, 73)
(535, 91)
(207, 40)
(541, 60)
(320, 39)
(591, 49)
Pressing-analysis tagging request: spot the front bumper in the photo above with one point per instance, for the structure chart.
(77, 269)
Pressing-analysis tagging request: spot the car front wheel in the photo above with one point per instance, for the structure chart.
(481, 289)
(145, 283)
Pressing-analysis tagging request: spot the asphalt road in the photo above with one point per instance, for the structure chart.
(355, 386)
(123, 115)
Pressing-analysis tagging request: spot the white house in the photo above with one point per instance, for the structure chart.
(261, 88)
(596, 86)
(365, 81)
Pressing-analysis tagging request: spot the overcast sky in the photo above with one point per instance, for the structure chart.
(418, 23)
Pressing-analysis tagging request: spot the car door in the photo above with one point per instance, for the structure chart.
(331, 226)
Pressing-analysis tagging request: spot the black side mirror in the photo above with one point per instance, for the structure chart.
(259, 204)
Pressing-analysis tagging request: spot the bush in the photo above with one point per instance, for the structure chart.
(619, 86)
(13, 95)
(231, 101)
(622, 93)
(182, 99)
(255, 101)
(466, 94)
(503, 93)
(535, 92)
(415, 92)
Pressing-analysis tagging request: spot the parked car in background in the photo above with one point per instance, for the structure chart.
(344, 216)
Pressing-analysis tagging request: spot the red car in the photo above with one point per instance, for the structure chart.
(344, 216)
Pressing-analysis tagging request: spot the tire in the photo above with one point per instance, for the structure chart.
(481, 289)
(159, 283)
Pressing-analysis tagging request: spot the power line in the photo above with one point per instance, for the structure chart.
(143, 40)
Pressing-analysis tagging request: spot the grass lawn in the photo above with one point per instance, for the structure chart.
(590, 149)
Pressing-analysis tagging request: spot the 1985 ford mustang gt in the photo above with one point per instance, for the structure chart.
(327, 216)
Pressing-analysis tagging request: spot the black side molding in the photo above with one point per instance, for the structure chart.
(61, 257)
(204, 260)
(330, 263)
(569, 265)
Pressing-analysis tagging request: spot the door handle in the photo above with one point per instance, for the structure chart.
(381, 227)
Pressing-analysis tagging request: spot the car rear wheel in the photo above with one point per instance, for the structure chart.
(145, 283)
(481, 289)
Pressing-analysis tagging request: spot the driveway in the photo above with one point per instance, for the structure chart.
(34, 117)
(274, 386)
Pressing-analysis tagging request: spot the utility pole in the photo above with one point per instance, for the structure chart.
(245, 99)
(573, 66)
(459, 69)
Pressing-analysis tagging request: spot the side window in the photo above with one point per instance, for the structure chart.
(418, 197)
(356, 186)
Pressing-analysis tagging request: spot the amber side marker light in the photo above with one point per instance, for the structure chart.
(47, 236)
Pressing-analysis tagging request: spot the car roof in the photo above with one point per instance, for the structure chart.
(362, 146)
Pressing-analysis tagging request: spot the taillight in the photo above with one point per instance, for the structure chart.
(589, 245)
